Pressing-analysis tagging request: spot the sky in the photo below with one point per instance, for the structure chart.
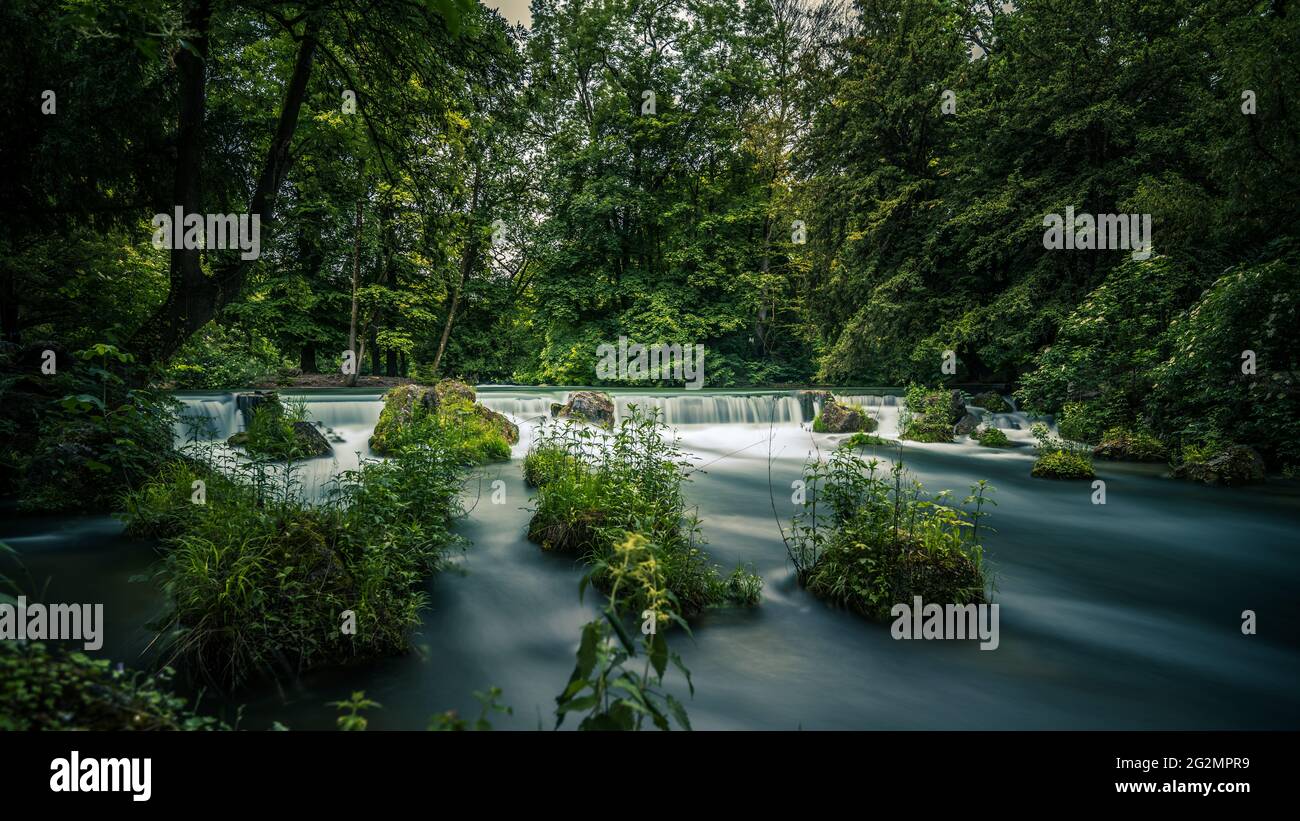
(514, 11)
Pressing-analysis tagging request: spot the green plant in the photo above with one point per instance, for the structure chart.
(490, 701)
(351, 719)
(926, 415)
(604, 685)
(593, 487)
(868, 539)
(101, 437)
(991, 437)
(1058, 458)
(47, 688)
(260, 582)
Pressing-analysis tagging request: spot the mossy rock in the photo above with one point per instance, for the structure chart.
(991, 401)
(1231, 465)
(1062, 464)
(596, 407)
(449, 402)
(966, 425)
(837, 418)
(1130, 445)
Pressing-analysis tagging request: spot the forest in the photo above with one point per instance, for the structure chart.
(1086, 210)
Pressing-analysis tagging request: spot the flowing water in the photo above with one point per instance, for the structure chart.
(1123, 615)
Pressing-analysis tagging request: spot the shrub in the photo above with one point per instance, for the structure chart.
(47, 688)
(102, 436)
(220, 357)
(1125, 443)
(1059, 459)
(594, 487)
(926, 416)
(258, 581)
(991, 437)
(869, 539)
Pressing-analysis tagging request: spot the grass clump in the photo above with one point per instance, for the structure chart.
(868, 538)
(1059, 458)
(991, 437)
(594, 487)
(260, 583)
(279, 430)
(926, 415)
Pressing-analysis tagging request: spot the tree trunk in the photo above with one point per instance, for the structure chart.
(307, 358)
(352, 326)
(467, 257)
(193, 297)
(391, 365)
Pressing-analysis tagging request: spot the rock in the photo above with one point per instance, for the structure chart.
(311, 442)
(991, 401)
(556, 407)
(837, 418)
(499, 421)
(449, 388)
(967, 424)
(1234, 465)
(400, 407)
(956, 406)
(595, 407)
(403, 405)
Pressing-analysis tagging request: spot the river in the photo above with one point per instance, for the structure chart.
(1125, 615)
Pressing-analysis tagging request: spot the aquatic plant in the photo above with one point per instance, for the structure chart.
(869, 538)
(991, 437)
(261, 583)
(593, 487)
(926, 415)
(604, 684)
(1059, 458)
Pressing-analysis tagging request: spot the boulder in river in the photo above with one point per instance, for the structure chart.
(596, 407)
(1233, 465)
(837, 418)
(966, 424)
(451, 402)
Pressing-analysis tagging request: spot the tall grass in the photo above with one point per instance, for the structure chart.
(870, 537)
(259, 581)
(594, 487)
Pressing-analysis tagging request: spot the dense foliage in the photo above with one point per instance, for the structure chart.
(869, 537)
(593, 488)
(843, 191)
(262, 583)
